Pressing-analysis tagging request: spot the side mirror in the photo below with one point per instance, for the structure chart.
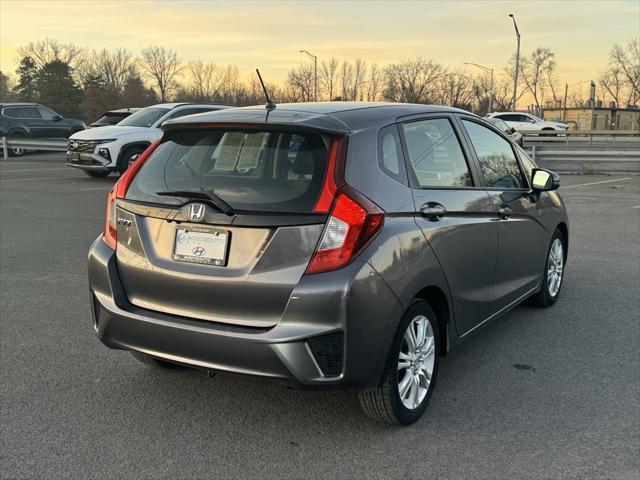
(544, 180)
(513, 130)
(56, 118)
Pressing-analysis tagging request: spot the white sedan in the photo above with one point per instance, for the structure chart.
(525, 122)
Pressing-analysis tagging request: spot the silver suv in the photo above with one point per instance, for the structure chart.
(325, 245)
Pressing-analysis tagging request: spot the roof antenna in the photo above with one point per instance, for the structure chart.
(270, 105)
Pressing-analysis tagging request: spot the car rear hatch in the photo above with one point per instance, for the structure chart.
(221, 222)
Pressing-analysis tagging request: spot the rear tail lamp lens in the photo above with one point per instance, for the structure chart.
(353, 222)
(119, 190)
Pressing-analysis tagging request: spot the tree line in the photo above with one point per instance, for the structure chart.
(80, 83)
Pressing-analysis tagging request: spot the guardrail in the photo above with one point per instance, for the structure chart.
(583, 137)
(30, 144)
(590, 151)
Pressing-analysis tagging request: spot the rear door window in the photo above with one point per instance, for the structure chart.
(262, 171)
(435, 154)
(29, 112)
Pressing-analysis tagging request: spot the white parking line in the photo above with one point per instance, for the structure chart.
(32, 170)
(637, 206)
(30, 179)
(597, 183)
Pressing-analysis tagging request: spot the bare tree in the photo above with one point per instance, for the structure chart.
(114, 68)
(300, 82)
(502, 94)
(162, 66)
(346, 81)
(329, 77)
(413, 81)
(551, 79)
(374, 84)
(614, 82)
(206, 79)
(627, 61)
(48, 50)
(359, 75)
(456, 90)
(534, 71)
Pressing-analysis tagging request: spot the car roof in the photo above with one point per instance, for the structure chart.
(19, 104)
(171, 106)
(124, 110)
(339, 117)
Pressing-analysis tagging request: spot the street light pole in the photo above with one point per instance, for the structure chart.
(515, 75)
(490, 70)
(315, 73)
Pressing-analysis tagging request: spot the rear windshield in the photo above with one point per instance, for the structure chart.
(111, 118)
(264, 171)
(144, 118)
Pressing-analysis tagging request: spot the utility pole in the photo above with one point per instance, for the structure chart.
(489, 70)
(564, 111)
(515, 75)
(315, 73)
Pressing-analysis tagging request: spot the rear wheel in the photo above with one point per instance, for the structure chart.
(553, 273)
(411, 370)
(152, 361)
(98, 173)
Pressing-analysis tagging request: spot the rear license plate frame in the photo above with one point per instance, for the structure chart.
(219, 260)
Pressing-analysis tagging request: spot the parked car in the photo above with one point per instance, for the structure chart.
(34, 121)
(510, 132)
(525, 122)
(325, 245)
(112, 117)
(113, 148)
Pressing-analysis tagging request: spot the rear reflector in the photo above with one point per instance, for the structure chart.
(354, 220)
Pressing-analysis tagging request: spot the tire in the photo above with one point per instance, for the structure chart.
(125, 159)
(384, 403)
(97, 173)
(549, 290)
(153, 361)
(17, 152)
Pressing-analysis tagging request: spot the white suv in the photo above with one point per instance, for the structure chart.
(525, 122)
(100, 151)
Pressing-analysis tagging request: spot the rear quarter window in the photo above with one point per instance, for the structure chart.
(263, 171)
(390, 157)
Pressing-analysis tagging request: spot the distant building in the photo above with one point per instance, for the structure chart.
(579, 118)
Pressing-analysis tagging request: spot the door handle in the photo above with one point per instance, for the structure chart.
(432, 211)
(504, 212)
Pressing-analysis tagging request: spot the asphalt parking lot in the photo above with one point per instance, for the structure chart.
(538, 394)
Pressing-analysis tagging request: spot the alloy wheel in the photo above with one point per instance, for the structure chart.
(555, 267)
(416, 362)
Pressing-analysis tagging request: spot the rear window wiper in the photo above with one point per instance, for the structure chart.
(203, 194)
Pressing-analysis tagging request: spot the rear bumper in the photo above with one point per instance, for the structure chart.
(335, 332)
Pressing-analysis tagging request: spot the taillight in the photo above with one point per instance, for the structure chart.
(353, 222)
(119, 190)
(333, 178)
(110, 235)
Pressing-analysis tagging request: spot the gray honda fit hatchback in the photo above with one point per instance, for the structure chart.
(325, 245)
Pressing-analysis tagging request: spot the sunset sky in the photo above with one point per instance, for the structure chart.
(269, 35)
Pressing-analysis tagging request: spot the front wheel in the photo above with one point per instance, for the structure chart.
(129, 156)
(553, 273)
(17, 151)
(411, 370)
